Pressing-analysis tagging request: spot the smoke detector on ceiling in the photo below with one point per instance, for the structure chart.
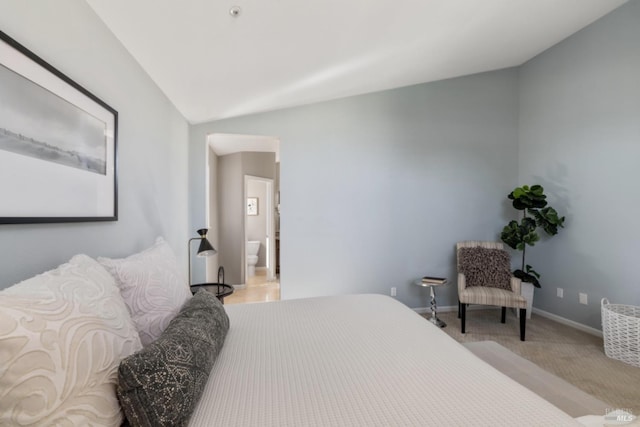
(235, 11)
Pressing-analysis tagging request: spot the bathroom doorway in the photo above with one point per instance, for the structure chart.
(229, 158)
(259, 228)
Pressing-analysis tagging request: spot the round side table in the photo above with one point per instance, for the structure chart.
(432, 288)
(220, 290)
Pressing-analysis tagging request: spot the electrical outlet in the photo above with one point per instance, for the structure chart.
(393, 291)
(583, 298)
(560, 293)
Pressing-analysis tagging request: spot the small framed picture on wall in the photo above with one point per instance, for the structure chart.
(252, 206)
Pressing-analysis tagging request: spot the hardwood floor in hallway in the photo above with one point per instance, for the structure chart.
(257, 289)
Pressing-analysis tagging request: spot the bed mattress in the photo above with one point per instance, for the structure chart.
(356, 360)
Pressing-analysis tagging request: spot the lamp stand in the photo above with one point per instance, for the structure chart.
(190, 240)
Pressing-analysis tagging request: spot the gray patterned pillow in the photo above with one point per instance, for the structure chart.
(485, 267)
(161, 384)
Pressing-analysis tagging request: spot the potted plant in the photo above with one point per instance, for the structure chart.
(535, 214)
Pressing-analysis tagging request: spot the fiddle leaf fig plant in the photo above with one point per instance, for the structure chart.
(535, 214)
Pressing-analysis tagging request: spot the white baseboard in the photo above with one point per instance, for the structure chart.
(573, 324)
(554, 317)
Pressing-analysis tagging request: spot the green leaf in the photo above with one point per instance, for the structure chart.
(511, 234)
(519, 204)
(518, 235)
(537, 190)
(525, 277)
(531, 238)
(530, 270)
(525, 197)
(547, 218)
(519, 192)
(529, 224)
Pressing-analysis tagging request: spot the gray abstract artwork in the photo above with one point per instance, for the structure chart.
(37, 123)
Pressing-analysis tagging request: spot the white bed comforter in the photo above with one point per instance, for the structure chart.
(357, 360)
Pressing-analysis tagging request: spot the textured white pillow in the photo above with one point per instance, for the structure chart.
(62, 336)
(153, 287)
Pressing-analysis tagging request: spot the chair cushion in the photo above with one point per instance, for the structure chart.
(485, 267)
(491, 296)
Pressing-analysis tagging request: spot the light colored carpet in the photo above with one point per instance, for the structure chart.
(565, 396)
(575, 356)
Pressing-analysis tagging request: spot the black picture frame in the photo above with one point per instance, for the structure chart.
(58, 144)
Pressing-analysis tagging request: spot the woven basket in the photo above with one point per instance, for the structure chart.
(621, 332)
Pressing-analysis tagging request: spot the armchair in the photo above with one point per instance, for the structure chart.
(484, 277)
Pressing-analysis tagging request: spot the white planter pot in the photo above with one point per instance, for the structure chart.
(526, 290)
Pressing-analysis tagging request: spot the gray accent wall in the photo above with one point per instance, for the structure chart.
(377, 189)
(152, 143)
(579, 136)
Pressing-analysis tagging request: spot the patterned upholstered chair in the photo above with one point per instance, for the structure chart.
(484, 277)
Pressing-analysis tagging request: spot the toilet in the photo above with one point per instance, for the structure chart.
(253, 246)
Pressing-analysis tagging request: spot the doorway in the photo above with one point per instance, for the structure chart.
(259, 228)
(231, 158)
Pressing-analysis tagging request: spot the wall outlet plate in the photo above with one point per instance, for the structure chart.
(583, 298)
(560, 293)
(393, 291)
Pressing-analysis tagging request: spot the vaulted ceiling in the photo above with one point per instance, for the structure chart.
(282, 53)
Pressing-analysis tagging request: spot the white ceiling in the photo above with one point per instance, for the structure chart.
(282, 53)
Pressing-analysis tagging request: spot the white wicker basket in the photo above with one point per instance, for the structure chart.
(621, 332)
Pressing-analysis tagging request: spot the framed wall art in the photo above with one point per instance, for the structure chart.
(252, 206)
(57, 144)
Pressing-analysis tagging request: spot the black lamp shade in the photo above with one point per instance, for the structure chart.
(205, 248)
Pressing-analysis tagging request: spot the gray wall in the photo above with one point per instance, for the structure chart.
(152, 143)
(230, 214)
(579, 136)
(231, 207)
(440, 158)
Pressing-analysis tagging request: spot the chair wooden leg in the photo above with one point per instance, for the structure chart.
(463, 316)
(523, 322)
(503, 318)
(458, 309)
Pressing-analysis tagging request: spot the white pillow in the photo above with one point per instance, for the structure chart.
(153, 287)
(62, 336)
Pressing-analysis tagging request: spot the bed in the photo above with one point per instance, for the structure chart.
(356, 360)
(93, 341)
